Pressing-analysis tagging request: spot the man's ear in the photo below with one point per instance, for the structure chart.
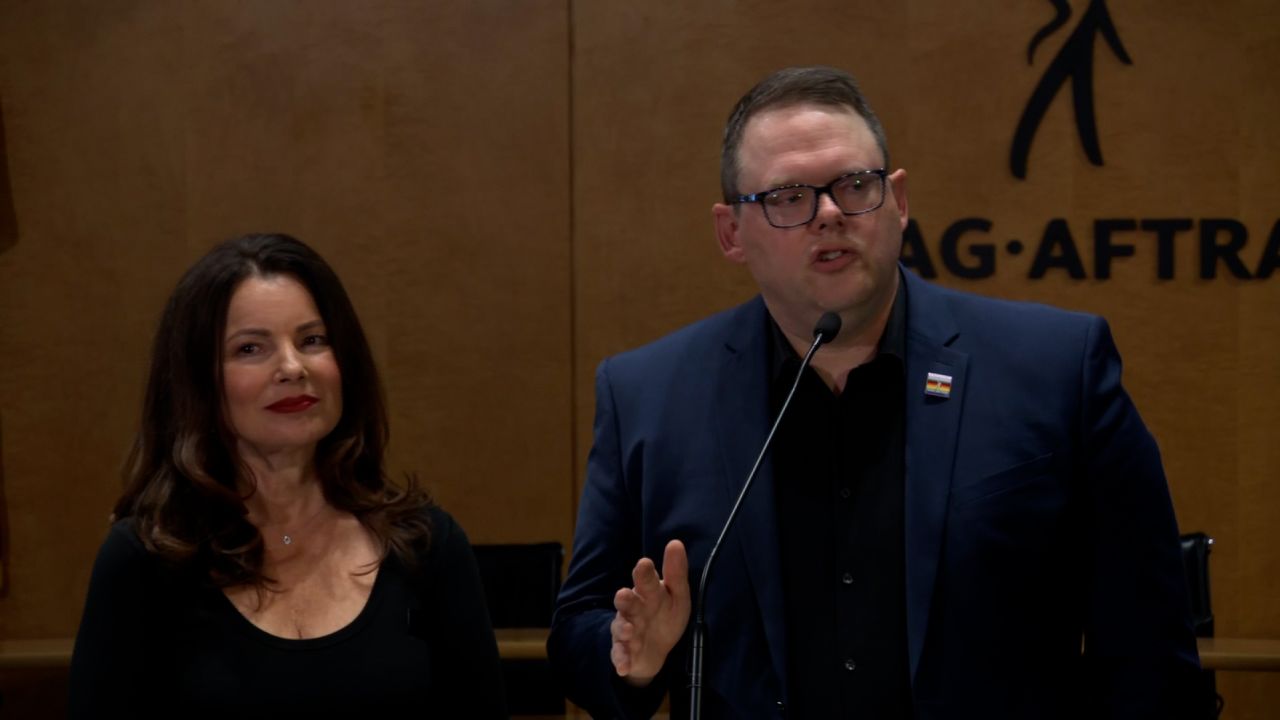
(726, 218)
(898, 186)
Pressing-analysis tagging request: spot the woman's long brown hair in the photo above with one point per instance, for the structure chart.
(182, 472)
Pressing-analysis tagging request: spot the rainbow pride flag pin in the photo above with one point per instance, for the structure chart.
(938, 385)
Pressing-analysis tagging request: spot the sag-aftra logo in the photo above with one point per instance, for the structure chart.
(971, 247)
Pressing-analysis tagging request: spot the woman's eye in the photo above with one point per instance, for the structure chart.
(316, 340)
(247, 349)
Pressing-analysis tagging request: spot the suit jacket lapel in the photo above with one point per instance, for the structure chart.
(932, 426)
(742, 399)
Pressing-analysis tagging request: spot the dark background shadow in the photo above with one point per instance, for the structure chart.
(8, 219)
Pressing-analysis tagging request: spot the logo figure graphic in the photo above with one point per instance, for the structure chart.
(1074, 63)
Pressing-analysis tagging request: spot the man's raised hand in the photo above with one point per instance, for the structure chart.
(651, 616)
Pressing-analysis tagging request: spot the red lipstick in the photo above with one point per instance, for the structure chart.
(294, 404)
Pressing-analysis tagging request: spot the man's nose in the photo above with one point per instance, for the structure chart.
(828, 212)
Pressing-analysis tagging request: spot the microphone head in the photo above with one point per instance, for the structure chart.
(827, 328)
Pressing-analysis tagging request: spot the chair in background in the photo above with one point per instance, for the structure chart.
(1195, 563)
(521, 582)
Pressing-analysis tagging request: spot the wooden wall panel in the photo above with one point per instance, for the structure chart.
(421, 147)
(513, 191)
(1185, 132)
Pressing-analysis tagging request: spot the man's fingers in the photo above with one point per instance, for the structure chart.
(645, 576)
(624, 640)
(630, 606)
(650, 616)
(675, 570)
(621, 659)
(621, 629)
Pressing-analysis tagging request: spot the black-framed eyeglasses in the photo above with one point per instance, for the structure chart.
(790, 206)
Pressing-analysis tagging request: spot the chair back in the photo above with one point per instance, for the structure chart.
(521, 582)
(1207, 702)
(1195, 562)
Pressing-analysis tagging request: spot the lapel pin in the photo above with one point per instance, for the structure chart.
(938, 385)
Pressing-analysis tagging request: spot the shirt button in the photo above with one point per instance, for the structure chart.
(847, 579)
(845, 493)
(849, 664)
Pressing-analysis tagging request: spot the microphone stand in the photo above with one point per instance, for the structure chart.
(826, 330)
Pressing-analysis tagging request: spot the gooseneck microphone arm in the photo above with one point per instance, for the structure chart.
(824, 332)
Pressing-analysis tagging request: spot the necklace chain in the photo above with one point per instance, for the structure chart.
(306, 525)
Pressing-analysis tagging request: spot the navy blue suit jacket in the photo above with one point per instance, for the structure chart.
(1037, 514)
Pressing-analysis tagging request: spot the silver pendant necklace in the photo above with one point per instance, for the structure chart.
(306, 526)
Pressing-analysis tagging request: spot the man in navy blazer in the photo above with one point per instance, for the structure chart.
(994, 540)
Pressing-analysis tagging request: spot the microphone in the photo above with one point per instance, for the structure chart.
(824, 331)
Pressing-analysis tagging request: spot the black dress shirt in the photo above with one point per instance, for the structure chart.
(838, 467)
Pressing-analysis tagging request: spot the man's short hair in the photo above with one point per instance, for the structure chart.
(793, 86)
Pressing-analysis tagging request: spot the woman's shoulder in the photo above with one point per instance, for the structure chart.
(123, 559)
(444, 574)
(444, 534)
(444, 548)
(122, 545)
(438, 517)
(124, 553)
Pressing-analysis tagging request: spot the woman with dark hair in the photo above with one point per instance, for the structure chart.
(261, 561)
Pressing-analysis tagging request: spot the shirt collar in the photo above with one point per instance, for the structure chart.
(893, 341)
